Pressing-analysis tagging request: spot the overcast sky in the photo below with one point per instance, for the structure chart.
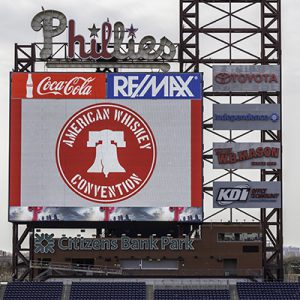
(157, 18)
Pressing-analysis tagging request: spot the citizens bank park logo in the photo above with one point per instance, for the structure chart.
(44, 243)
(106, 153)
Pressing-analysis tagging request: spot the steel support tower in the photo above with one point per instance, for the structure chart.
(228, 32)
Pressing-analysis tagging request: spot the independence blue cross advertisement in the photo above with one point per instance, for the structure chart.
(154, 86)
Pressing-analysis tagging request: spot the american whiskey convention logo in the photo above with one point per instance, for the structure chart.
(106, 153)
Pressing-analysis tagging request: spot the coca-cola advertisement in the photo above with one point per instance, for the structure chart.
(58, 85)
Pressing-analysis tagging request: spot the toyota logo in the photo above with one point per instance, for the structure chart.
(223, 78)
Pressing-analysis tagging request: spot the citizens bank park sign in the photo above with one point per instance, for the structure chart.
(83, 148)
(46, 243)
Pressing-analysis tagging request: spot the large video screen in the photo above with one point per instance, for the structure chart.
(105, 147)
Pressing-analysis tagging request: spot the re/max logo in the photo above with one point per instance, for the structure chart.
(147, 86)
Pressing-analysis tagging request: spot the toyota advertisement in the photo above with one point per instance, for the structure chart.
(246, 156)
(246, 117)
(243, 78)
(243, 194)
(105, 147)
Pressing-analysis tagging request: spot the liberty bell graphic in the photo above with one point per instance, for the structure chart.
(106, 143)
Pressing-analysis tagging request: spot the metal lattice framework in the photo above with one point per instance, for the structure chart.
(22, 254)
(239, 32)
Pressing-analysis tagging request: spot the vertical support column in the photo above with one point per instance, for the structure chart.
(15, 254)
(20, 262)
(25, 57)
(31, 252)
(271, 220)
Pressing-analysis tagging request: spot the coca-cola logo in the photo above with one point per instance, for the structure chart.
(80, 86)
(226, 78)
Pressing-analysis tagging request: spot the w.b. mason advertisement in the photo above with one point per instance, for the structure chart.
(76, 155)
(246, 156)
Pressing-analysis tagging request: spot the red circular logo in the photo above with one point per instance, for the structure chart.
(106, 153)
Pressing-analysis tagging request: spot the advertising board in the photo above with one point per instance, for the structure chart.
(246, 117)
(77, 155)
(154, 86)
(243, 78)
(246, 155)
(244, 194)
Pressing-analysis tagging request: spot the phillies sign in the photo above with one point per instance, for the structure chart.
(98, 46)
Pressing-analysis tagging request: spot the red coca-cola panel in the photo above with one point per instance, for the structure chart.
(58, 85)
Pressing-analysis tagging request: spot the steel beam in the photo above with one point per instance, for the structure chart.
(21, 256)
